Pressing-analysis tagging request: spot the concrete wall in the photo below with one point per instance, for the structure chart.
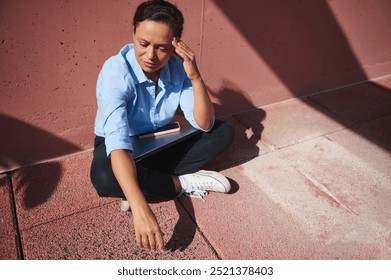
(251, 53)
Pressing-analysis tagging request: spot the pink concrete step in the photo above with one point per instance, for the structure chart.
(61, 217)
(246, 145)
(52, 190)
(246, 224)
(105, 232)
(321, 191)
(9, 244)
(290, 122)
(359, 103)
(311, 180)
(336, 197)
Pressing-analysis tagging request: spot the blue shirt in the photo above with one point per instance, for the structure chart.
(128, 104)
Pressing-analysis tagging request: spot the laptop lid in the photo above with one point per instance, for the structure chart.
(143, 148)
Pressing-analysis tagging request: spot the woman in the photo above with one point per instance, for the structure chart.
(139, 90)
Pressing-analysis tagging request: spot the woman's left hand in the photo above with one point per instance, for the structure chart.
(188, 57)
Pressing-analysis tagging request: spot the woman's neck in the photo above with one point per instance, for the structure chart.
(154, 77)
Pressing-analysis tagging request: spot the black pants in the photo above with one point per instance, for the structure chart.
(154, 174)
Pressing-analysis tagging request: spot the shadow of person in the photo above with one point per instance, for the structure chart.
(244, 148)
(286, 36)
(22, 145)
(185, 228)
(38, 183)
(364, 109)
(228, 101)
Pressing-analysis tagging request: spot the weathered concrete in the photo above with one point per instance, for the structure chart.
(9, 243)
(308, 183)
(251, 54)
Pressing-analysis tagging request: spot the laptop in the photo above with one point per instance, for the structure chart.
(145, 147)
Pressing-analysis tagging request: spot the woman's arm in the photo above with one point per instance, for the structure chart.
(203, 106)
(148, 232)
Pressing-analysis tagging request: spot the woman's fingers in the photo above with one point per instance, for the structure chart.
(145, 243)
(188, 57)
(160, 241)
(183, 50)
(139, 241)
(152, 244)
(152, 241)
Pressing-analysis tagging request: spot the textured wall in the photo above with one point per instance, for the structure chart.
(251, 52)
(268, 51)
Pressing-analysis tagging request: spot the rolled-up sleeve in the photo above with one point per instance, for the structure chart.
(113, 92)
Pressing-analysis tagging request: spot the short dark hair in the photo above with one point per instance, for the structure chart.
(161, 11)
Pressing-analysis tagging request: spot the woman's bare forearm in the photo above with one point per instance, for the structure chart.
(124, 170)
(147, 230)
(203, 106)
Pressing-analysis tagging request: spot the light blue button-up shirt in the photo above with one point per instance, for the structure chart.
(128, 104)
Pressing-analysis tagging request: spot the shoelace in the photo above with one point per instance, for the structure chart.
(197, 194)
(197, 190)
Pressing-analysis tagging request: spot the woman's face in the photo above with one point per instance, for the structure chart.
(153, 46)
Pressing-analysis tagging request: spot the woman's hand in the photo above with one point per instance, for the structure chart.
(188, 57)
(203, 107)
(148, 233)
(147, 230)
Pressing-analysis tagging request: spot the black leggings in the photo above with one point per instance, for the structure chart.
(154, 174)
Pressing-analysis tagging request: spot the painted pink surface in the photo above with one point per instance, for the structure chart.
(9, 247)
(322, 193)
(299, 122)
(268, 51)
(107, 233)
(42, 190)
(56, 198)
(246, 224)
(321, 181)
(246, 145)
(359, 103)
(51, 54)
(251, 54)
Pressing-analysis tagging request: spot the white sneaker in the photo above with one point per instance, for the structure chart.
(125, 205)
(200, 183)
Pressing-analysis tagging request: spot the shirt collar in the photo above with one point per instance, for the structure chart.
(165, 75)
